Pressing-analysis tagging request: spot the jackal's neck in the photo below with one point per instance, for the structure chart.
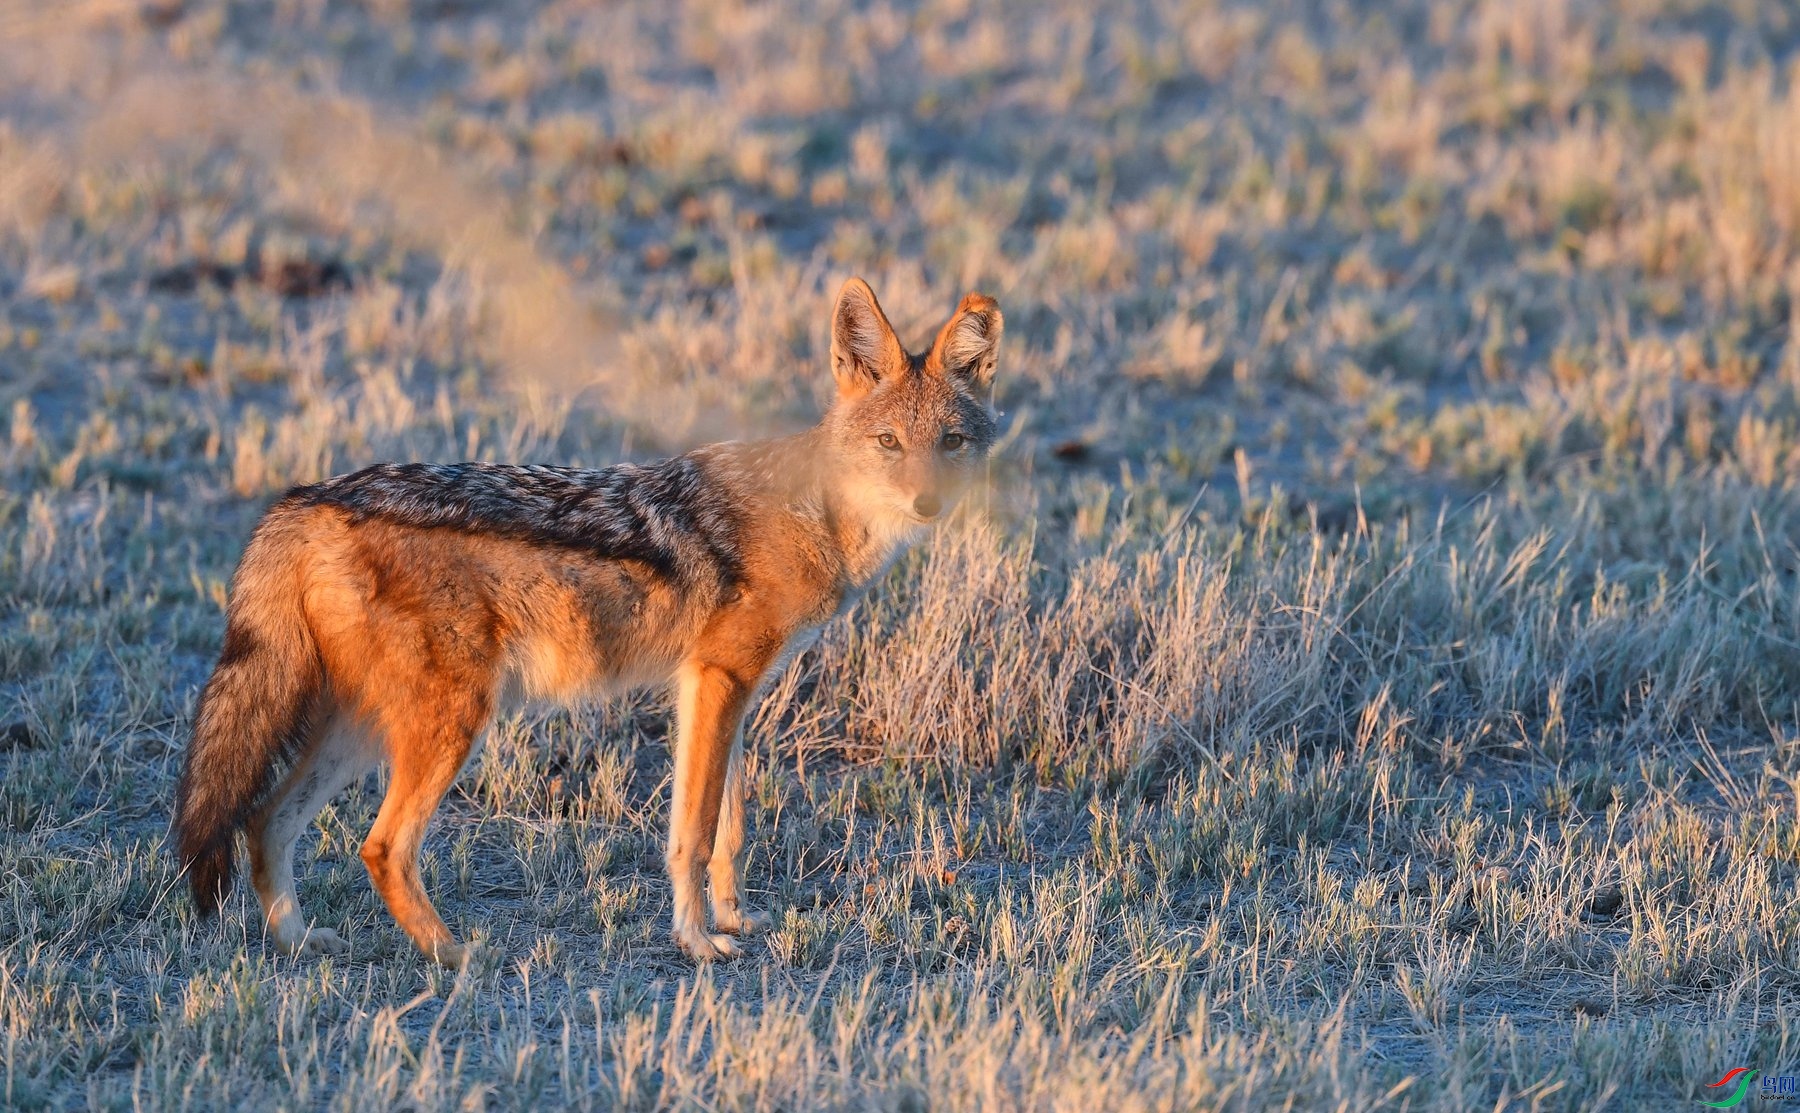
(800, 476)
(865, 532)
(871, 546)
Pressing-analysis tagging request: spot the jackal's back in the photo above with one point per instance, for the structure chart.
(666, 515)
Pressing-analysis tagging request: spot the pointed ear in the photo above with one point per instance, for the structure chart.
(968, 346)
(864, 349)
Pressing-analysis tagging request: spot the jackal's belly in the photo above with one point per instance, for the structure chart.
(578, 628)
(577, 646)
(549, 670)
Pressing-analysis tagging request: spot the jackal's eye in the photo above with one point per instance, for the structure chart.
(889, 442)
(953, 441)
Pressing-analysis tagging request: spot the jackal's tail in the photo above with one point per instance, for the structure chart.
(255, 712)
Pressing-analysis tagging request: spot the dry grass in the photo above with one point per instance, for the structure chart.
(1371, 681)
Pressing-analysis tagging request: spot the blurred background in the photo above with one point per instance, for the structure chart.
(1414, 246)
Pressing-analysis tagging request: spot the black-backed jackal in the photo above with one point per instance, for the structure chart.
(388, 613)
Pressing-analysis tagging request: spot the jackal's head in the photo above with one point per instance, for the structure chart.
(909, 432)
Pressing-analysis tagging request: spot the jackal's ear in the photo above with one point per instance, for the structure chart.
(864, 348)
(968, 345)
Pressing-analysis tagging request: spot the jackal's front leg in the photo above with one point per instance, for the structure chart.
(730, 914)
(708, 714)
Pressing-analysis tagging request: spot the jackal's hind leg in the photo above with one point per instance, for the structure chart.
(730, 913)
(338, 757)
(427, 757)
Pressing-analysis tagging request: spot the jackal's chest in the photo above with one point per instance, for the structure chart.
(829, 608)
(798, 643)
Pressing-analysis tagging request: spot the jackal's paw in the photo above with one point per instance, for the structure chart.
(311, 941)
(455, 956)
(701, 947)
(737, 920)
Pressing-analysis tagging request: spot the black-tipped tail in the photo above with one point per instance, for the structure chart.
(255, 714)
(209, 875)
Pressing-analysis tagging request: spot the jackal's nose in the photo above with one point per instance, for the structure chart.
(927, 505)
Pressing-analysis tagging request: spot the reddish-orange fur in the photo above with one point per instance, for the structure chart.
(354, 639)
